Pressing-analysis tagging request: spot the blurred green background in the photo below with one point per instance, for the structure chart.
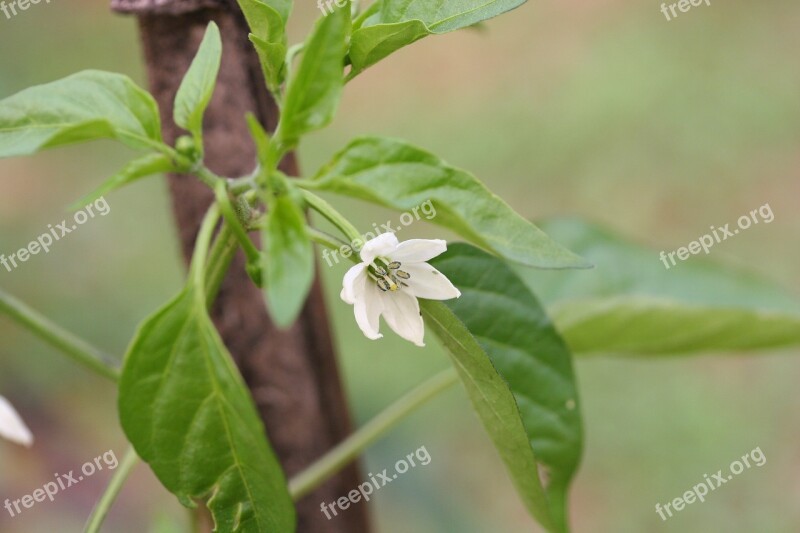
(603, 109)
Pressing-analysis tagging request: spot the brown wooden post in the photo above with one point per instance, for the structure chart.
(292, 374)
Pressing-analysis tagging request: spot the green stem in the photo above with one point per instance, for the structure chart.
(325, 239)
(331, 242)
(202, 244)
(219, 260)
(305, 183)
(75, 347)
(115, 485)
(233, 222)
(207, 177)
(241, 185)
(350, 448)
(291, 54)
(329, 212)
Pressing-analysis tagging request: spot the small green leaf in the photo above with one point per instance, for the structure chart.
(288, 259)
(631, 304)
(138, 168)
(267, 21)
(86, 106)
(198, 84)
(314, 91)
(186, 410)
(508, 323)
(400, 176)
(393, 24)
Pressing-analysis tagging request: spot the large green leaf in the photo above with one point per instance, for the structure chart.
(313, 93)
(393, 24)
(397, 175)
(267, 21)
(494, 404)
(513, 331)
(632, 304)
(86, 106)
(186, 410)
(289, 260)
(198, 84)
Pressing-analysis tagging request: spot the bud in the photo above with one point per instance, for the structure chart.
(186, 146)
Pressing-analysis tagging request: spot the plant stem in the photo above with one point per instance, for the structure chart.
(291, 54)
(198, 269)
(241, 185)
(233, 222)
(114, 486)
(332, 243)
(329, 212)
(207, 177)
(350, 448)
(325, 239)
(75, 347)
(305, 183)
(219, 259)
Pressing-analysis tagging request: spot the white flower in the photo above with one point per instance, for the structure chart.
(11, 425)
(388, 282)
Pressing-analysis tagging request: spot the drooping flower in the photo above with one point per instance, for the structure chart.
(388, 281)
(11, 425)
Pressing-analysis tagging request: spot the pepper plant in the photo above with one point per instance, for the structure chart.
(182, 403)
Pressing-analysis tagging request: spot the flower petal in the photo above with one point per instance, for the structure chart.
(354, 283)
(427, 282)
(11, 425)
(419, 250)
(382, 245)
(368, 310)
(401, 312)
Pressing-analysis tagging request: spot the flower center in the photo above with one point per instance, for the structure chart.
(388, 275)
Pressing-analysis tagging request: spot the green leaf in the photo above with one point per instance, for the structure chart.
(513, 331)
(374, 43)
(138, 168)
(289, 259)
(442, 17)
(313, 93)
(261, 140)
(267, 21)
(198, 84)
(186, 410)
(393, 24)
(282, 7)
(370, 15)
(495, 405)
(395, 174)
(631, 304)
(86, 106)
